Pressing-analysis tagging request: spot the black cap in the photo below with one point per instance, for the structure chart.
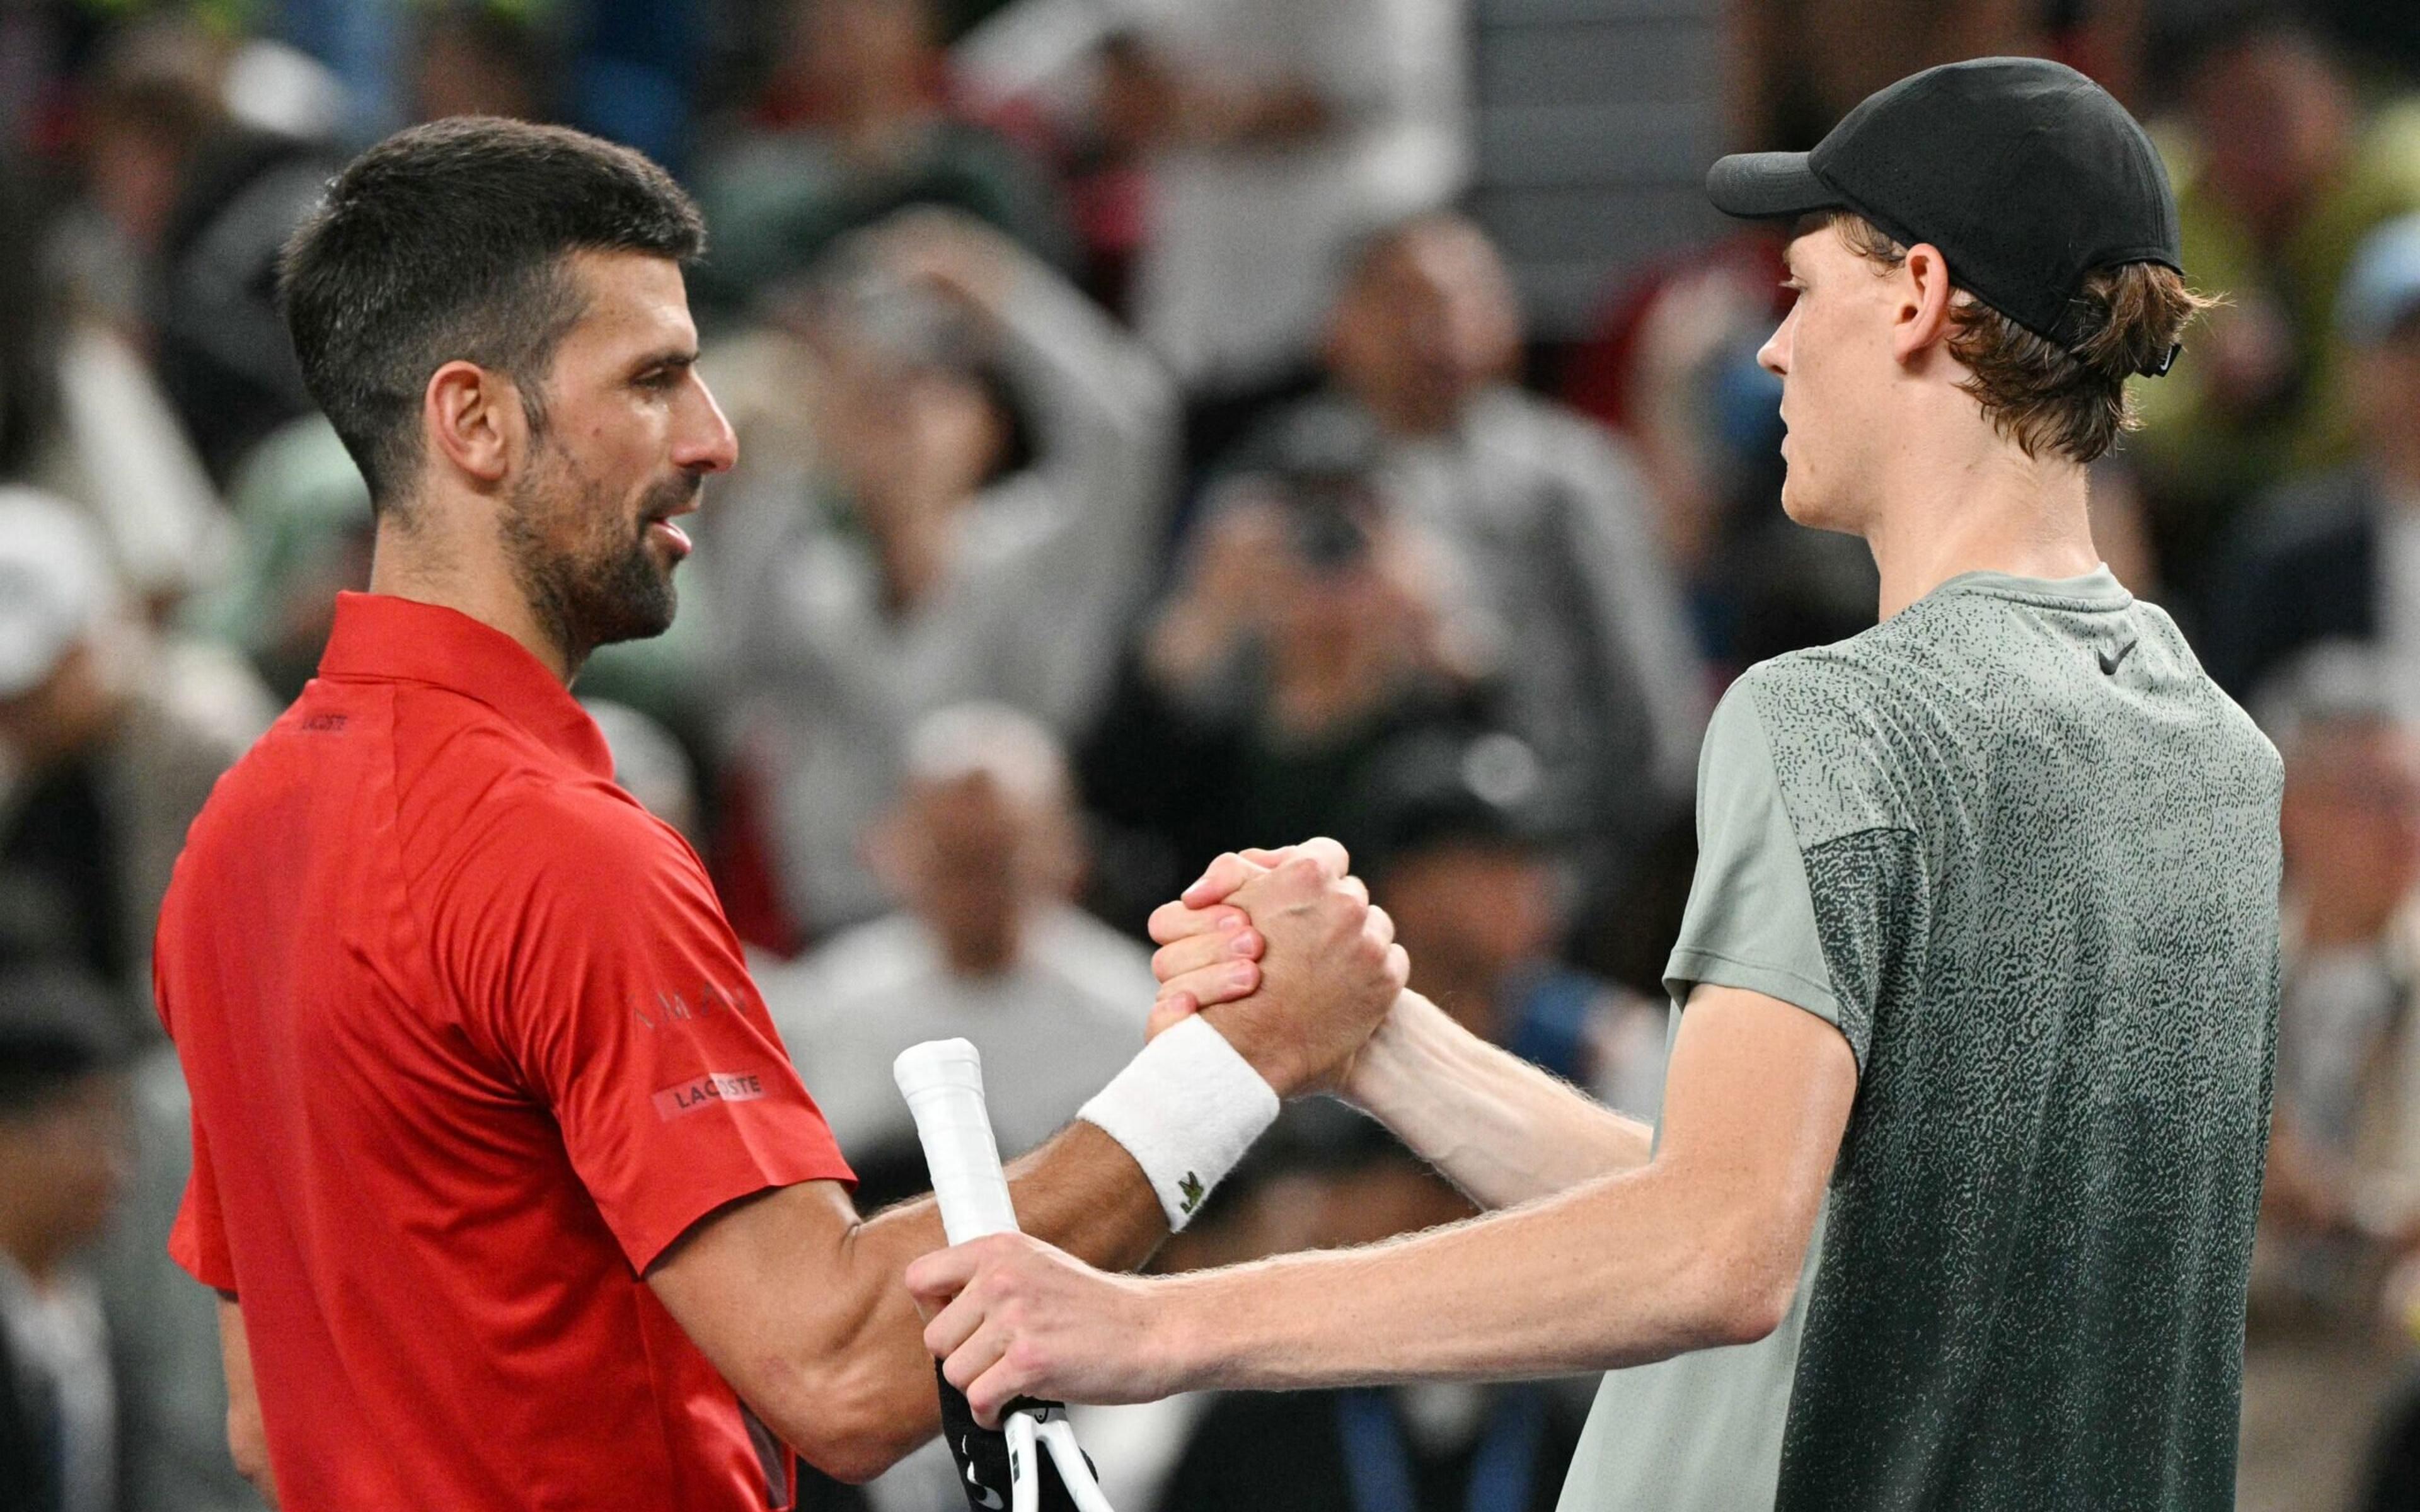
(1444, 784)
(2024, 173)
(57, 1023)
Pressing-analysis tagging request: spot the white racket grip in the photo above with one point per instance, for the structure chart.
(943, 1081)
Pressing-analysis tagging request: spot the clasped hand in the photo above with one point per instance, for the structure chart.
(1284, 954)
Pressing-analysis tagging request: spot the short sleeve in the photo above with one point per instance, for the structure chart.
(198, 1241)
(592, 959)
(1751, 921)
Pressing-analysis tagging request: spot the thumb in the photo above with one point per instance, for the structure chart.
(935, 1278)
(1223, 876)
(1167, 1013)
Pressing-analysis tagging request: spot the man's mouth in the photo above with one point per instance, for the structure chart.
(660, 519)
(672, 535)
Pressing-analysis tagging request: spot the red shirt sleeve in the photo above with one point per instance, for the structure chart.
(590, 955)
(198, 1241)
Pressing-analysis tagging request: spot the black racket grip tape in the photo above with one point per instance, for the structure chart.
(981, 1454)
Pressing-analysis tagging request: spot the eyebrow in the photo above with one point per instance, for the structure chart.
(666, 357)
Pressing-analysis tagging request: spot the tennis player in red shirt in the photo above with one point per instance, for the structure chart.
(510, 1191)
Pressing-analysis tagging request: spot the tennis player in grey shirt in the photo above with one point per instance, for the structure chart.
(1950, 1204)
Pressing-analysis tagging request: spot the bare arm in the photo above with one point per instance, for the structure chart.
(1700, 1247)
(1500, 1127)
(247, 1441)
(799, 1302)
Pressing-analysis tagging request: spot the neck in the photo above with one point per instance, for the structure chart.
(1398, 415)
(2395, 461)
(914, 551)
(32, 1241)
(407, 564)
(1981, 505)
(981, 956)
(872, 118)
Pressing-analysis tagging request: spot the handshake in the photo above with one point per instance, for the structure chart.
(1286, 955)
(1282, 954)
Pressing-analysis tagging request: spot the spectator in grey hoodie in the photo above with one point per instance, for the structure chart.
(916, 563)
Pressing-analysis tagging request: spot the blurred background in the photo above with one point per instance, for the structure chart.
(1167, 426)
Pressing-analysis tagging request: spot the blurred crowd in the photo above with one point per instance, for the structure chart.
(1144, 455)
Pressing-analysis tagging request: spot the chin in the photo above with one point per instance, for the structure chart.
(1806, 506)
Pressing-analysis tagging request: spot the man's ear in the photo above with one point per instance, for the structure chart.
(473, 417)
(1920, 318)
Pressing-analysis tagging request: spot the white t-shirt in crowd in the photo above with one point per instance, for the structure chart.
(1052, 1029)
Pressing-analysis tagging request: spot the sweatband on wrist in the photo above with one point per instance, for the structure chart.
(1187, 1109)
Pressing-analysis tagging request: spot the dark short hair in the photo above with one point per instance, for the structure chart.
(447, 242)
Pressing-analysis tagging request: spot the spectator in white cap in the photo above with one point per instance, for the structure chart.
(2335, 555)
(109, 742)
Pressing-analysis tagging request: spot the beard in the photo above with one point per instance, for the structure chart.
(583, 559)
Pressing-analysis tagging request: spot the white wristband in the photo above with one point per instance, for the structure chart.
(1187, 1109)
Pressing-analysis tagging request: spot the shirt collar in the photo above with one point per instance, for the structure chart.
(2096, 590)
(380, 638)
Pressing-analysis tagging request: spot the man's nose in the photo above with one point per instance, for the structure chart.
(707, 443)
(1774, 356)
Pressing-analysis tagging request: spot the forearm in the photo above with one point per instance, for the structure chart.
(1618, 1272)
(1702, 1247)
(843, 1377)
(1500, 1127)
(247, 1439)
(1080, 1192)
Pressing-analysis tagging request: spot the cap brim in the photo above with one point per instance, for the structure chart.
(1769, 186)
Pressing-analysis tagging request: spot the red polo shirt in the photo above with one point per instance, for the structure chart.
(470, 1045)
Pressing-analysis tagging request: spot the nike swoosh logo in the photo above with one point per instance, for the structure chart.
(2109, 663)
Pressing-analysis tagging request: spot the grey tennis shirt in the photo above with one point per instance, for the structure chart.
(2024, 853)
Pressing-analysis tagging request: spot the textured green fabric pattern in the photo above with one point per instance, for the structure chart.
(2039, 900)
(2042, 850)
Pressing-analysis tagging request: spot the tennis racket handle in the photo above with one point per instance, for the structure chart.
(943, 1081)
